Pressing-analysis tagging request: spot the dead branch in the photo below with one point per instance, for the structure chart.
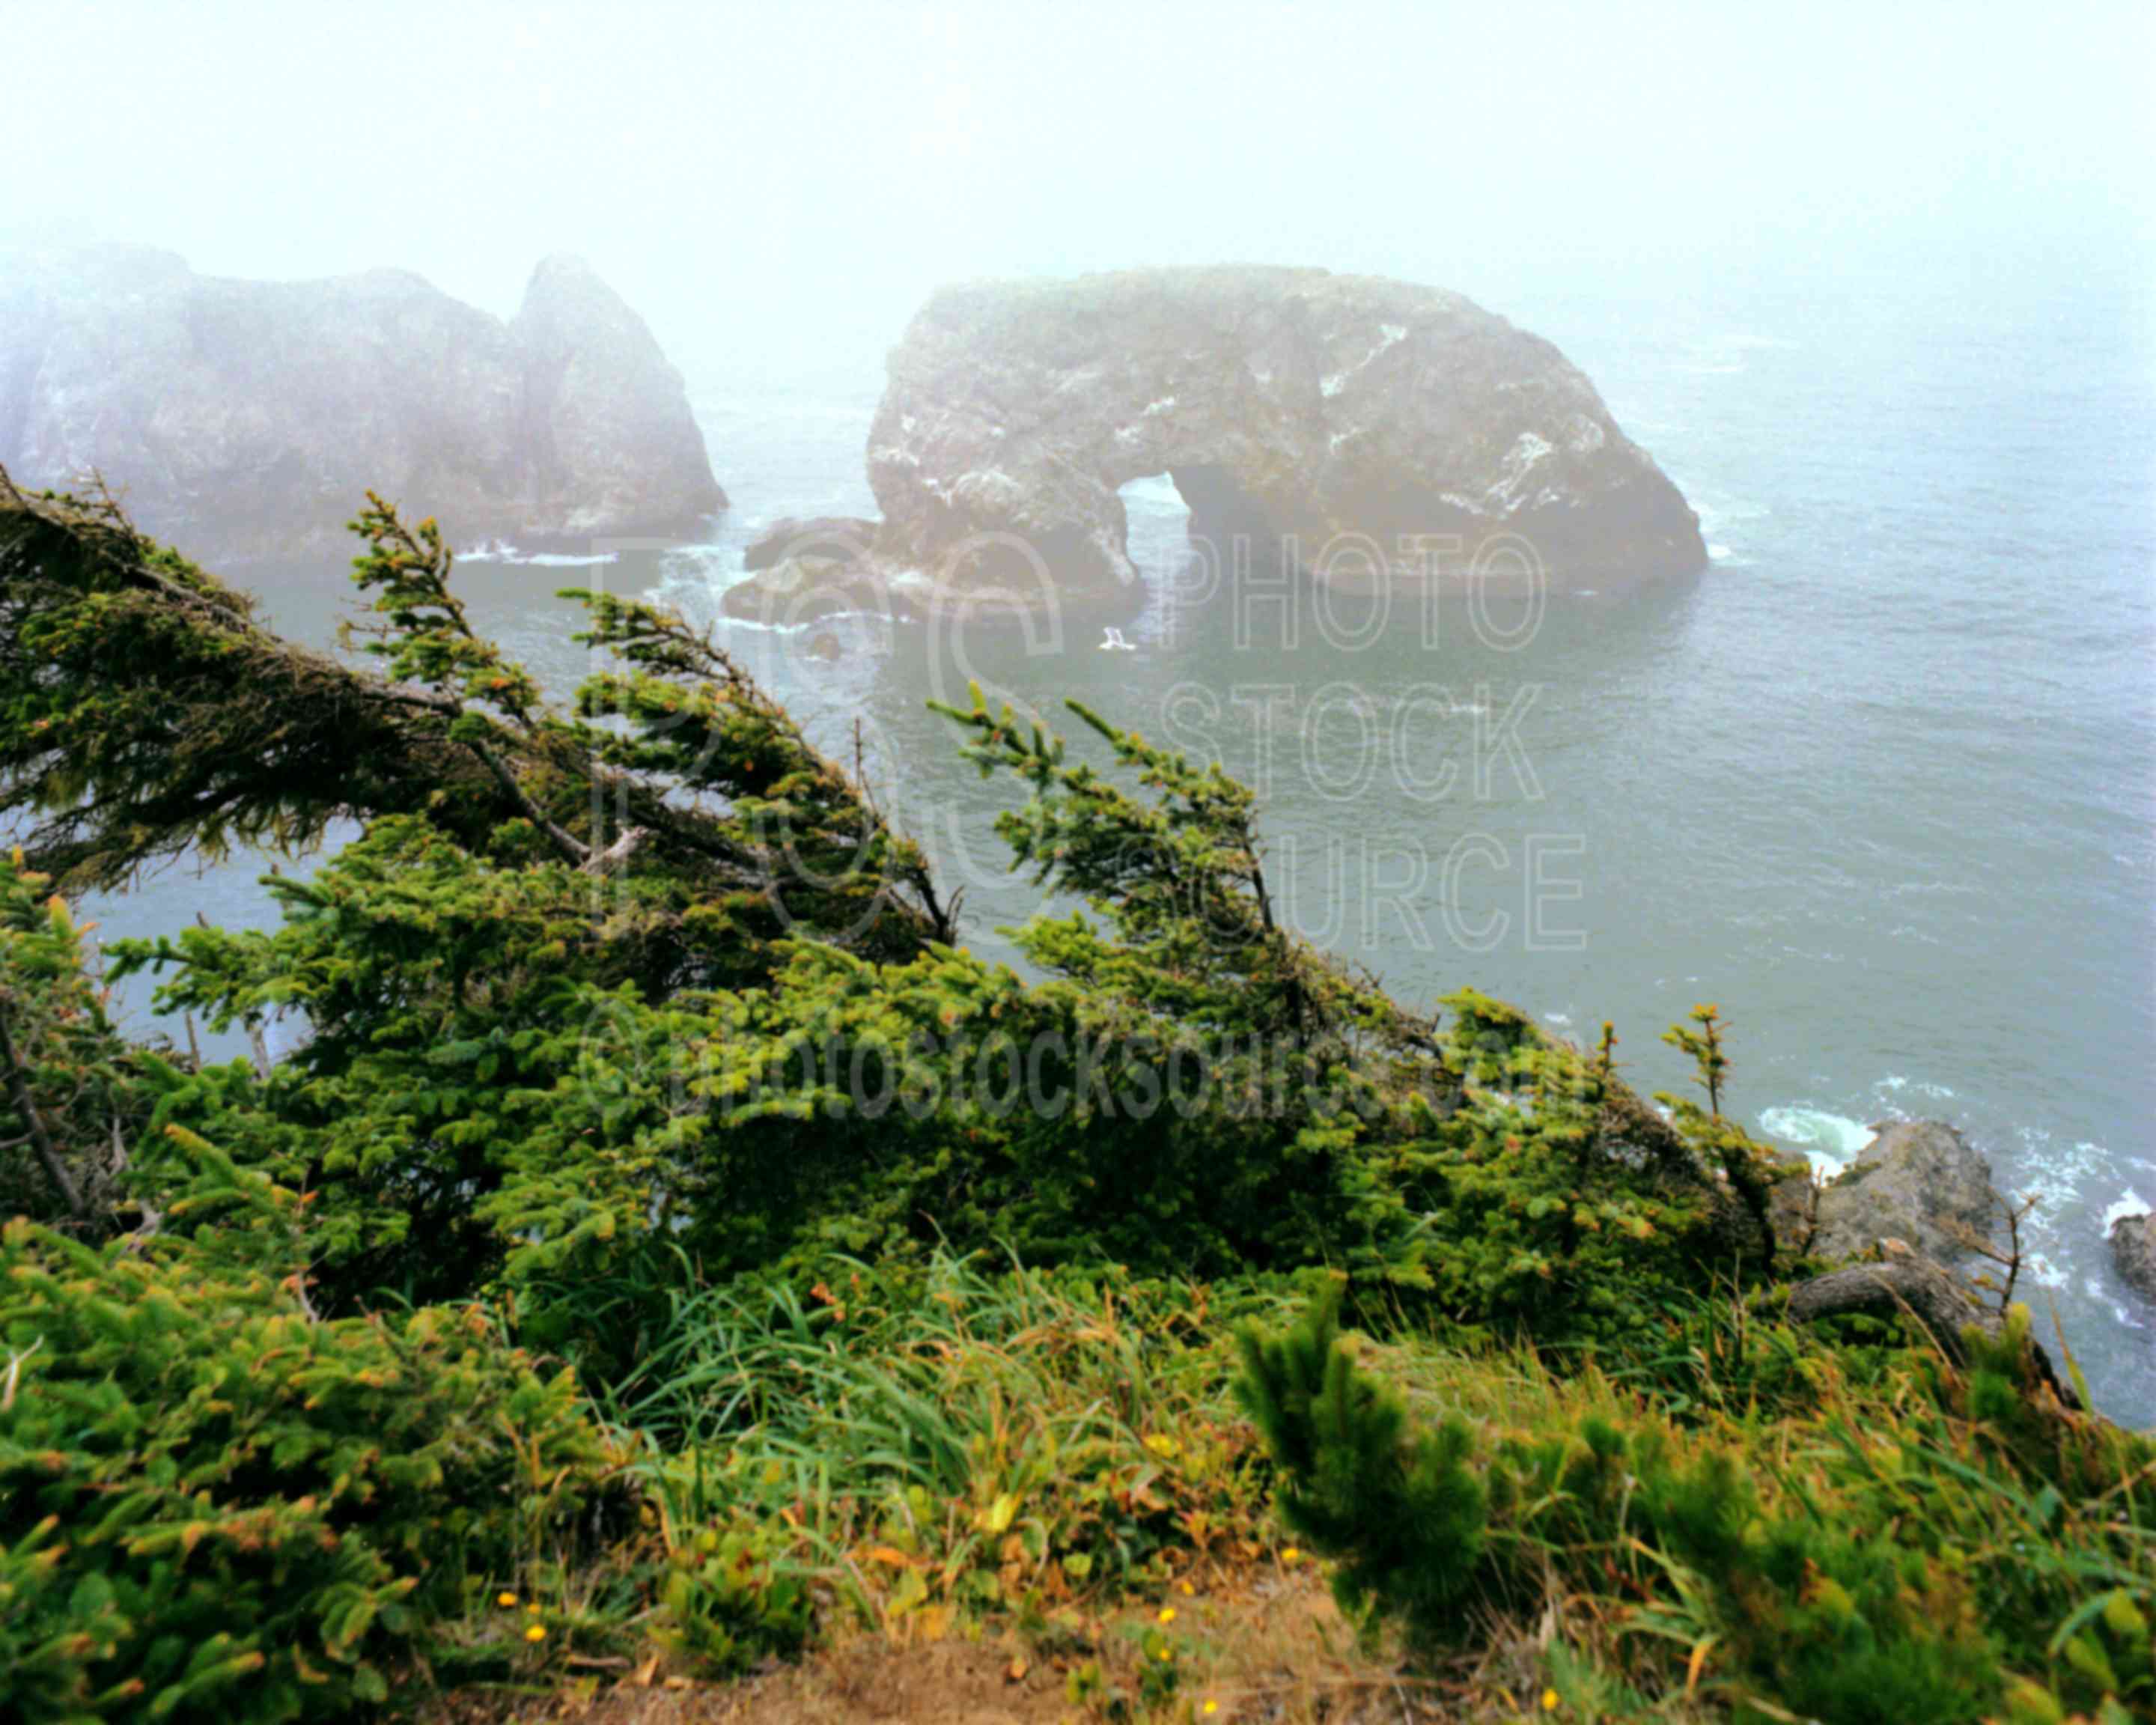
(2009, 1260)
(26, 1105)
(616, 855)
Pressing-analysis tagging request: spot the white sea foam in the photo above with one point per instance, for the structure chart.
(1894, 1083)
(2129, 1202)
(1831, 1142)
(2059, 1172)
(2093, 1286)
(497, 551)
(822, 620)
(1715, 509)
(1717, 553)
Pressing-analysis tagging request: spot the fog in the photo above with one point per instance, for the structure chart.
(776, 186)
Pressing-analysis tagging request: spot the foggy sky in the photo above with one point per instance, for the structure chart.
(776, 186)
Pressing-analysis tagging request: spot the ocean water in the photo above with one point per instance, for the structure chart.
(1881, 782)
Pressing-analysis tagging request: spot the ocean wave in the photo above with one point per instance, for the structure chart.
(1831, 1142)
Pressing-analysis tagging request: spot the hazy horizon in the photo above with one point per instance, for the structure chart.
(780, 199)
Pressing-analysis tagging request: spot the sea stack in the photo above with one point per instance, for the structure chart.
(247, 419)
(1286, 403)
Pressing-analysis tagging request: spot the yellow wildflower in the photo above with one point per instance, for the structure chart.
(1211, 1707)
(1188, 1589)
(1290, 1554)
(505, 1600)
(537, 1632)
(1168, 1613)
(1549, 1701)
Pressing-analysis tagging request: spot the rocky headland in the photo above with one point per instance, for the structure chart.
(1918, 1181)
(246, 420)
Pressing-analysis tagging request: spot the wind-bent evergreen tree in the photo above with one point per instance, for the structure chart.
(145, 712)
(700, 725)
(1180, 881)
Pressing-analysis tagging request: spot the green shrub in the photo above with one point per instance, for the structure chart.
(1934, 1552)
(214, 1506)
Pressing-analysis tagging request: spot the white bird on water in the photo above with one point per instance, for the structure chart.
(1112, 641)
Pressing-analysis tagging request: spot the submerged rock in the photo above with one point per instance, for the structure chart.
(2134, 1253)
(247, 418)
(844, 538)
(1918, 1181)
(803, 589)
(1281, 402)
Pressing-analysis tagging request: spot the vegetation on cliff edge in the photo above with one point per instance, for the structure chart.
(664, 1245)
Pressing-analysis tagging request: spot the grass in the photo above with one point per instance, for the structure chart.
(1026, 1469)
(967, 1438)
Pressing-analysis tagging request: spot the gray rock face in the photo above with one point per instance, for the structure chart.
(2134, 1253)
(1283, 402)
(1918, 1181)
(246, 420)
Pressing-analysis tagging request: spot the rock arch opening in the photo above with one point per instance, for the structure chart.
(1157, 525)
